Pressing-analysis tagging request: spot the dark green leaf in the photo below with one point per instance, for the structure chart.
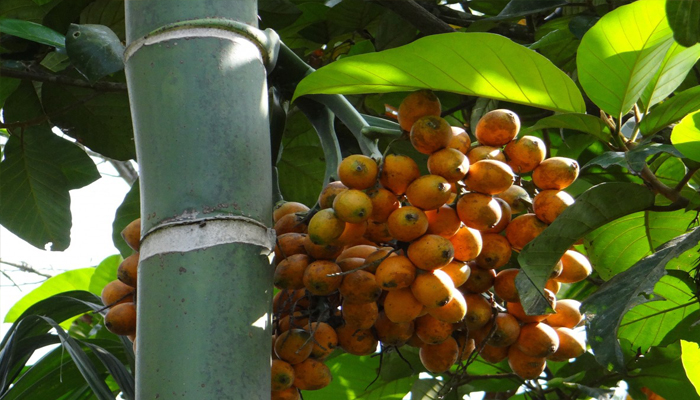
(521, 8)
(579, 122)
(624, 291)
(116, 369)
(25, 10)
(488, 7)
(94, 50)
(662, 372)
(475, 64)
(481, 107)
(608, 159)
(637, 156)
(100, 121)
(686, 136)
(684, 18)
(7, 87)
(556, 42)
(674, 68)
(614, 73)
(650, 323)
(32, 31)
(393, 31)
(670, 111)
(55, 61)
(594, 208)
(616, 246)
(581, 23)
(129, 210)
(106, 12)
(354, 15)
(277, 14)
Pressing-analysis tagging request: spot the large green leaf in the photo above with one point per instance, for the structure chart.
(650, 323)
(691, 362)
(671, 110)
(77, 279)
(684, 18)
(619, 56)
(686, 136)
(594, 208)
(128, 211)
(105, 272)
(94, 50)
(626, 290)
(100, 121)
(25, 10)
(302, 166)
(677, 63)
(106, 12)
(619, 244)
(32, 31)
(661, 370)
(475, 64)
(580, 122)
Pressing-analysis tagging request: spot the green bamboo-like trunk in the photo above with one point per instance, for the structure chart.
(199, 103)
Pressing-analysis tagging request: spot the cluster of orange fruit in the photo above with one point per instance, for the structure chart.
(399, 258)
(119, 295)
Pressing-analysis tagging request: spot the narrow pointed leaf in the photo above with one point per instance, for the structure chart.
(614, 72)
(677, 63)
(594, 208)
(686, 136)
(32, 31)
(624, 291)
(475, 64)
(670, 111)
(94, 50)
(115, 367)
(580, 122)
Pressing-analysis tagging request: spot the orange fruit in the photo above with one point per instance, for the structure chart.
(438, 358)
(567, 314)
(466, 347)
(282, 375)
(398, 172)
(378, 232)
(296, 320)
(393, 333)
(325, 227)
(358, 172)
(291, 393)
(517, 198)
(504, 285)
(429, 192)
(321, 251)
(570, 345)
(352, 234)
(448, 163)
(460, 140)
(289, 244)
(548, 204)
(497, 127)
(416, 105)
(360, 316)
(317, 281)
(407, 223)
(291, 223)
(121, 319)
(522, 229)
(329, 192)
(430, 252)
(479, 153)
(360, 287)
(401, 306)
(349, 264)
(384, 203)
(430, 134)
(359, 342)
(553, 286)
(467, 243)
(433, 288)
(352, 206)
(431, 330)
(480, 280)
(537, 340)
(506, 332)
(452, 312)
(495, 253)
(489, 177)
(516, 309)
(311, 374)
(132, 234)
(325, 339)
(395, 273)
(575, 267)
(494, 354)
(525, 153)
(117, 292)
(376, 258)
(555, 173)
(506, 217)
(289, 273)
(478, 311)
(444, 221)
(478, 211)
(286, 300)
(526, 367)
(361, 251)
(458, 271)
(287, 207)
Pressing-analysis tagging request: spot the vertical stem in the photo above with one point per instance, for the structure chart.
(200, 112)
